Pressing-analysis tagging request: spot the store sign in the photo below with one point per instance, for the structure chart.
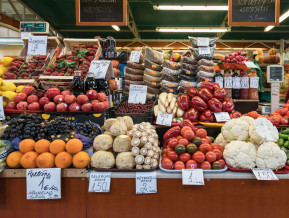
(134, 56)
(164, 119)
(264, 174)
(228, 82)
(254, 82)
(37, 45)
(193, 177)
(146, 182)
(43, 183)
(2, 115)
(99, 69)
(203, 42)
(222, 117)
(137, 94)
(99, 181)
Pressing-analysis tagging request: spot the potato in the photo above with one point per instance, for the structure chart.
(102, 142)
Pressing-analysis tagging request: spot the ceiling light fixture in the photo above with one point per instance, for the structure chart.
(281, 18)
(115, 27)
(193, 29)
(192, 7)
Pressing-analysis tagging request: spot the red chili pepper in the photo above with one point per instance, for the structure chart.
(183, 102)
(187, 122)
(215, 105)
(172, 133)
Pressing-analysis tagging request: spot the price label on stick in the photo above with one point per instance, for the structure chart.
(244, 82)
(222, 116)
(137, 94)
(254, 82)
(99, 68)
(264, 174)
(99, 181)
(228, 82)
(146, 182)
(134, 56)
(37, 45)
(203, 42)
(250, 64)
(193, 177)
(236, 83)
(204, 50)
(2, 115)
(43, 183)
(164, 119)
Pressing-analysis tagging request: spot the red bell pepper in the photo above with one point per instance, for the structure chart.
(215, 105)
(187, 122)
(183, 101)
(192, 114)
(208, 85)
(220, 93)
(216, 86)
(235, 114)
(205, 94)
(172, 133)
(228, 105)
(192, 92)
(198, 103)
(207, 116)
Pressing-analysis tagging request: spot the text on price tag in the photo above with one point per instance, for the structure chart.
(146, 182)
(137, 94)
(99, 181)
(99, 68)
(236, 83)
(254, 82)
(202, 41)
(220, 81)
(43, 183)
(2, 115)
(193, 177)
(164, 119)
(222, 116)
(37, 45)
(228, 81)
(264, 174)
(204, 50)
(250, 64)
(134, 56)
(244, 82)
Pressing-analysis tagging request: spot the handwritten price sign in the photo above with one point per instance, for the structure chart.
(2, 115)
(244, 82)
(254, 82)
(228, 82)
(99, 69)
(134, 56)
(193, 177)
(164, 119)
(37, 45)
(43, 183)
(99, 181)
(204, 50)
(203, 42)
(137, 94)
(222, 116)
(146, 182)
(264, 174)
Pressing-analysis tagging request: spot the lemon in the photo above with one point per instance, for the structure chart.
(8, 86)
(19, 89)
(9, 94)
(6, 61)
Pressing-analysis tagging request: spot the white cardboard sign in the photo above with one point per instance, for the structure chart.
(146, 182)
(137, 94)
(134, 56)
(164, 119)
(193, 177)
(2, 115)
(99, 69)
(203, 42)
(264, 174)
(37, 45)
(99, 181)
(222, 116)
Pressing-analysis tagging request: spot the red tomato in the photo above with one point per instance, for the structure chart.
(173, 143)
(169, 149)
(185, 128)
(211, 156)
(179, 137)
(184, 157)
(183, 141)
(164, 151)
(218, 153)
(204, 140)
(189, 135)
(206, 165)
(215, 145)
(222, 162)
(284, 120)
(222, 148)
(209, 139)
(286, 105)
(173, 156)
(179, 165)
(191, 164)
(199, 156)
(283, 111)
(164, 155)
(167, 163)
(205, 147)
(202, 133)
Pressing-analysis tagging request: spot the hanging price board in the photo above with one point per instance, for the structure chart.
(193, 177)
(228, 82)
(222, 117)
(37, 45)
(244, 82)
(146, 182)
(203, 42)
(264, 174)
(204, 50)
(236, 83)
(254, 82)
(220, 81)
(99, 68)
(99, 181)
(2, 115)
(164, 119)
(137, 94)
(134, 56)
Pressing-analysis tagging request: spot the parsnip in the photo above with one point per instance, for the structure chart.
(156, 110)
(162, 108)
(175, 109)
(170, 97)
(169, 111)
(167, 103)
(163, 97)
(173, 103)
(180, 112)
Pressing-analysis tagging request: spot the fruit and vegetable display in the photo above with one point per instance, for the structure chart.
(127, 108)
(235, 58)
(10, 67)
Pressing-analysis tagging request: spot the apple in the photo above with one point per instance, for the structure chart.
(86, 107)
(49, 107)
(43, 101)
(91, 94)
(20, 97)
(34, 106)
(28, 89)
(112, 85)
(52, 92)
(58, 99)
(69, 99)
(66, 92)
(101, 96)
(32, 98)
(93, 102)
(61, 107)
(21, 105)
(99, 106)
(11, 105)
(82, 99)
(74, 107)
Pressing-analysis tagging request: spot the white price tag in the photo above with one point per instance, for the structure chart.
(204, 50)
(146, 182)
(43, 183)
(2, 115)
(99, 181)
(236, 83)
(25, 34)
(250, 64)
(137, 94)
(222, 116)
(228, 81)
(164, 119)
(264, 174)
(203, 42)
(99, 68)
(220, 81)
(134, 56)
(254, 82)
(193, 177)
(37, 45)
(244, 82)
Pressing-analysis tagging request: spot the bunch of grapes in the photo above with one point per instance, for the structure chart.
(87, 129)
(59, 126)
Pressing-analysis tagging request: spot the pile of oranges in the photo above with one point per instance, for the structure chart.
(44, 154)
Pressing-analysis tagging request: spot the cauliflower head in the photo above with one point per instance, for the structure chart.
(269, 155)
(263, 130)
(248, 119)
(240, 154)
(221, 140)
(236, 129)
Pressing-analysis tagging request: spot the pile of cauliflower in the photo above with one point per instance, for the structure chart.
(251, 143)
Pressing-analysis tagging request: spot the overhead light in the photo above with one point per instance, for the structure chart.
(281, 18)
(192, 7)
(193, 30)
(115, 27)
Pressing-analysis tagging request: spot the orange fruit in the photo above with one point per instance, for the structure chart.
(81, 159)
(63, 160)
(13, 159)
(57, 146)
(74, 146)
(45, 160)
(28, 160)
(26, 145)
(42, 146)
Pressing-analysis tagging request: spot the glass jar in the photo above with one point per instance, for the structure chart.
(254, 86)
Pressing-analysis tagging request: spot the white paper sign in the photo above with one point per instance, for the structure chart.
(99, 181)
(254, 82)
(236, 82)
(204, 50)
(99, 68)
(37, 45)
(250, 64)
(137, 94)
(2, 115)
(193, 177)
(146, 182)
(164, 119)
(25, 34)
(244, 82)
(203, 42)
(43, 183)
(222, 116)
(264, 174)
(134, 56)
(220, 81)
(228, 82)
